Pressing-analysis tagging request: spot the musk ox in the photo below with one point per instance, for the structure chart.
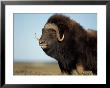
(70, 44)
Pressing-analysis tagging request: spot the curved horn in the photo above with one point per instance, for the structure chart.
(54, 27)
(61, 38)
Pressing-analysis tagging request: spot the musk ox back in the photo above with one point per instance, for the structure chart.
(70, 44)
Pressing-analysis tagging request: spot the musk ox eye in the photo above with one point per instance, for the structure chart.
(51, 31)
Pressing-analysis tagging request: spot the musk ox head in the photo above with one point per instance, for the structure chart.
(50, 36)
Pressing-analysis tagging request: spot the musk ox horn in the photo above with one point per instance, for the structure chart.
(61, 38)
(54, 27)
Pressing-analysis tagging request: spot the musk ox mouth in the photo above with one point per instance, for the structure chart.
(44, 46)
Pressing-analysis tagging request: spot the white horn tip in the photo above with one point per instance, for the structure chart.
(62, 38)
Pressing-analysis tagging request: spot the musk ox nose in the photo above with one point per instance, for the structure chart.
(43, 44)
(41, 41)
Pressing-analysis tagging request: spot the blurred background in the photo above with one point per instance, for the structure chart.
(29, 58)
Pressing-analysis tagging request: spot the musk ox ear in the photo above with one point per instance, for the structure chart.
(52, 26)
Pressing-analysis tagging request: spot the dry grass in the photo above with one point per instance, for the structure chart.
(36, 69)
(41, 69)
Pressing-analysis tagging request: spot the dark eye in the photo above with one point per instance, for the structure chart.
(51, 31)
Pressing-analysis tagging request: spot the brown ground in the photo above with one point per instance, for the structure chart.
(41, 69)
(36, 69)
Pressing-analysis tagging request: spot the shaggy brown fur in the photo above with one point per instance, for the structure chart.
(78, 47)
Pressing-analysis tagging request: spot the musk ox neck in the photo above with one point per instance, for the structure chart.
(65, 57)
